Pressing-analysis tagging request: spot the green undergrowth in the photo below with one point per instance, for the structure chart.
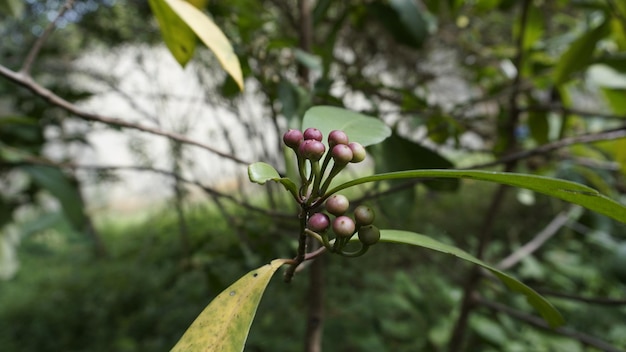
(147, 290)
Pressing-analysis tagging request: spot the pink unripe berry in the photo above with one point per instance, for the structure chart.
(343, 226)
(337, 204)
(313, 133)
(337, 137)
(358, 152)
(319, 222)
(363, 215)
(342, 154)
(312, 149)
(293, 138)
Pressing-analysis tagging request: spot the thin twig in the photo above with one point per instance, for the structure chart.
(36, 48)
(583, 338)
(27, 82)
(550, 230)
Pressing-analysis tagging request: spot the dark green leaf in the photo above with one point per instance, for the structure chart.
(54, 181)
(398, 154)
(538, 125)
(579, 55)
(545, 308)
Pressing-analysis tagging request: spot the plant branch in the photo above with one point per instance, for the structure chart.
(583, 338)
(607, 135)
(26, 81)
(550, 230)
(36, 48)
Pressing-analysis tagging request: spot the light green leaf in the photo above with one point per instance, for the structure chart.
(179, 38)
(566, 190)
(54, 181)
(262, 172)
(580, 53)
(545, 308)
(359, 128)
(211, 36)
(225, 323)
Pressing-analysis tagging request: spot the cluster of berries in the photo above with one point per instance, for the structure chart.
(309, 148)
(344, 226)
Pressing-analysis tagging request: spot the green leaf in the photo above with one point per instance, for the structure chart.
(55, 182)
(210, 35)
(580, 53)
(566, 190)
(179, 38)
(538, 125)
(616, 98)
(359, 128)
(262, 172)
(545, 308)
(225, 323)
(398, 153)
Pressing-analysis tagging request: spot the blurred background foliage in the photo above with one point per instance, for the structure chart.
(463, 83)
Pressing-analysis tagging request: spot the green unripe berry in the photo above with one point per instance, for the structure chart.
(364, 215)
(337, 204)
(369, 235)
(358, 152)
(343, 226)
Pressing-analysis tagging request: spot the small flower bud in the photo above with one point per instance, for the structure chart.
(343, 226)
(337, 137)
(337, 204)
(319, 222)
(313, 133)
(358, 152)
(342, 154)
(293, 138)
(311, 149)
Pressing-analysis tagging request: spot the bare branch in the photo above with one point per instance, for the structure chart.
(583, 338)
(36, 48)
(27, 82)
(607, 135)
(559, 221)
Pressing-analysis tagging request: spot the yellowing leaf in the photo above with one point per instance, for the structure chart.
(224, 324)
(211, 36)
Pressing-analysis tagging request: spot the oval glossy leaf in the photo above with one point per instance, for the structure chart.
(211, 36)
(224, 324)
(54, 181)
(359, 128)
(566, 190)
(545, 308)
(262, 172)
(178, 37)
